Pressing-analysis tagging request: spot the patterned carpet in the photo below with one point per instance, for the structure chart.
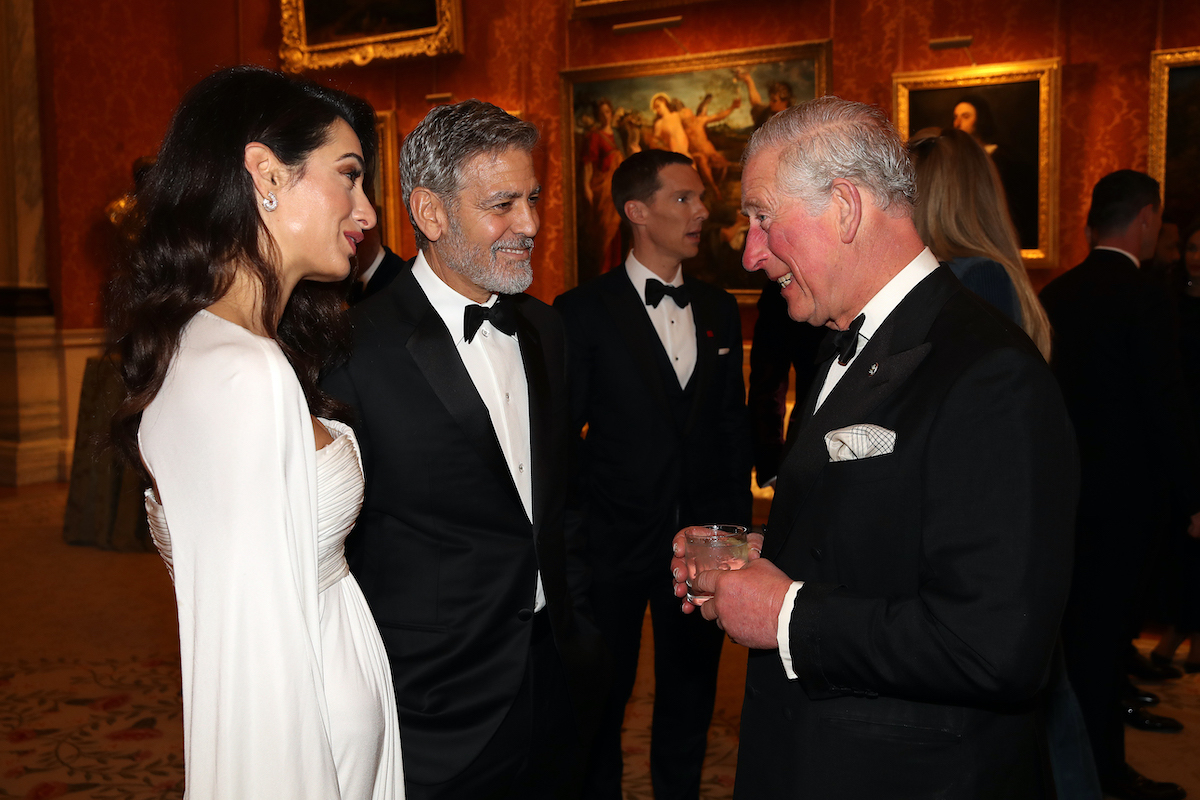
(113, 730)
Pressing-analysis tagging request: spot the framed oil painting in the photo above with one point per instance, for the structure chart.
(1175, 131)
(1013, 111)
(385, 195)
(704, 105)
(333, 33)
(598, 8)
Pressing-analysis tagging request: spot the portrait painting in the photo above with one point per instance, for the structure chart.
(1010, 109)
(705, 107)
(330, 33)
(1175, 131)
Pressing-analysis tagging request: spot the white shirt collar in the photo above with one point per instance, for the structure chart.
(886, 299)
(639, 273)
(1137, 262)
(448, 303)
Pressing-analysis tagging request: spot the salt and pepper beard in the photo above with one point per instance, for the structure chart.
(480, 266)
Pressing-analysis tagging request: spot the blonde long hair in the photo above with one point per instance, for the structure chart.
(961, 212)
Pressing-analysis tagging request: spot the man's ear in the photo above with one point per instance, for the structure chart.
(265, 169)
(636, 211)
(429, 212)
(846, 201)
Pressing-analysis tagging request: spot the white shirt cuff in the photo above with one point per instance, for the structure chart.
(781, 632)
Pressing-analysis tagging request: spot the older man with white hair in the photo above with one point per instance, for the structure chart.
(906, 605)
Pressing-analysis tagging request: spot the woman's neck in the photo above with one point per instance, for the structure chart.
(242, 304)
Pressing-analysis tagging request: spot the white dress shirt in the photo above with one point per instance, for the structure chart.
(1137, 262)
(675, 326)
(877, 309)
(493, 360)
(370, 271)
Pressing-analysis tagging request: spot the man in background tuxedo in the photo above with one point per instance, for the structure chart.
(656, 376)
(1117, 361)
(905, 608)
(381, 266)
(458, 384)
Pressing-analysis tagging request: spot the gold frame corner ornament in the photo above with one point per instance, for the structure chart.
(1161, 64)
(1048, 74)
(296, 54)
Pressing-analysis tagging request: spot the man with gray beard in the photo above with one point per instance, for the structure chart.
(458, 386)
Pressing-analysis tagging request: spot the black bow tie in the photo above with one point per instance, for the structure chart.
(846, 342)
(656, 290)
(501, 315)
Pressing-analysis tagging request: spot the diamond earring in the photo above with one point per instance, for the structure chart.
(270, 202)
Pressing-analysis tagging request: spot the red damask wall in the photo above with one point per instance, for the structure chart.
(112, 70)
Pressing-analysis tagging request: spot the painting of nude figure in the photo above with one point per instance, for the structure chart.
(705, 107)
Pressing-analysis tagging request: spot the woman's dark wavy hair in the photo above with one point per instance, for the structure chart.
(198, 224)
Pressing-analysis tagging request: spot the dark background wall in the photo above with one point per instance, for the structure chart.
(111, 71)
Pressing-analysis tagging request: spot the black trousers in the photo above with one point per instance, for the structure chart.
(687, 651)
(534, 754)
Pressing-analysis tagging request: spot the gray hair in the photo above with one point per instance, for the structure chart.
(434, 155)
(829, 138)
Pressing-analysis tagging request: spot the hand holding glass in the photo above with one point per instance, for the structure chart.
(713, 547)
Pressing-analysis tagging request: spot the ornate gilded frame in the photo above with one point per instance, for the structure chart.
(298, 54)
(388, 204)
(600, 8)
(816, 56)
(1047, 74)
(1162, 62)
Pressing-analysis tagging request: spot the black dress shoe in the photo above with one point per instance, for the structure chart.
(1140, 667)
(1140, 697)
(1130, 785)
(1143, 720)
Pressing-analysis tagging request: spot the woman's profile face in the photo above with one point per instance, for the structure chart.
(1191, 255)
(323, 211)
(965, 117)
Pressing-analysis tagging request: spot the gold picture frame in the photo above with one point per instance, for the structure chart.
(315, 37)
(1026, 95)
(1175, 138)
(388, 205)
(600, 8)
(592, 239)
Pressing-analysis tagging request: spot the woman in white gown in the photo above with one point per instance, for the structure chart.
(223, 315)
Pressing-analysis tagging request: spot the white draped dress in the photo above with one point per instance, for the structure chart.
(286, 685)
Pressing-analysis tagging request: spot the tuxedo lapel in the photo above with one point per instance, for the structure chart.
(538, 382)
(438, 359)
(704, 318)
(885, 363)
(631, 320)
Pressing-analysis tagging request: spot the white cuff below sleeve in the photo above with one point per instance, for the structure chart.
(785, 622)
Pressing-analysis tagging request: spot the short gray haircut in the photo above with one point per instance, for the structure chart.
(828, 138)
(434, 154)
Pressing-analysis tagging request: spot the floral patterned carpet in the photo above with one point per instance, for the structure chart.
(110, 730)
(113, 730)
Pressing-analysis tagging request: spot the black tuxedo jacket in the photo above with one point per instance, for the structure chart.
(936, 575)
(391, 266)
(653, 460)
(1116, 357)
(443, 549)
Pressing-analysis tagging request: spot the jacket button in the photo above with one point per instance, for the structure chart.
(817, 554)
(787, 714)
(524, 615)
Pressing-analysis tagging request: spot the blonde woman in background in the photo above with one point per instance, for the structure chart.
(963, 218)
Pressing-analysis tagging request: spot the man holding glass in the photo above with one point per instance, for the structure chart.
(655, 364)
(916, 563)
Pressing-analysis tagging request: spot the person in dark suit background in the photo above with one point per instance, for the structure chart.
(1117, 361)
(779, 346)
(906, 605)
(458, 383)
(656, 376)
(382, 267)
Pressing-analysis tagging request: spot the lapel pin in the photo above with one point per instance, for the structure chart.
(874, 368)
(710, 334)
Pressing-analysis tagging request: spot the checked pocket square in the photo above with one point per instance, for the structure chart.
(859, 441)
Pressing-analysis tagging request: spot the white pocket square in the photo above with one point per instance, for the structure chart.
(724, 351)
(859, 441)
